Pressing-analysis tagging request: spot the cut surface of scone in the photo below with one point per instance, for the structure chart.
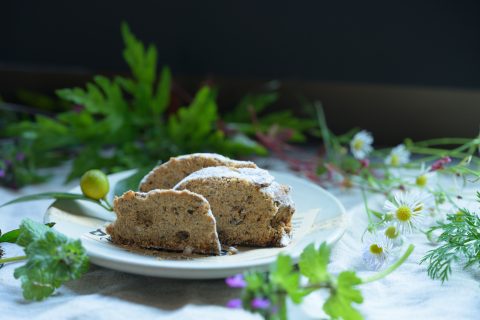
(249, 206)
(168, 174)
(165, 219)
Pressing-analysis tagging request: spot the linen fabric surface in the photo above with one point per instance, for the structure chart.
(408, 293)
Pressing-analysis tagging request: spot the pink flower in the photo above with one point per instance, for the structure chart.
(439, 164)
(234, 304)
(364, 162)
(260, 303)
(236, 281)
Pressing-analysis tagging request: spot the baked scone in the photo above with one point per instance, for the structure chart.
(249, 206)
(168, 174)
(165, 219)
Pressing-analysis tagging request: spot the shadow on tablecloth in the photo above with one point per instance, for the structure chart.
(163, 293)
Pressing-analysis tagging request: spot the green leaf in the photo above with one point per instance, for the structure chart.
(131, 182)
(283, 275)
(30, 231)
(52, 259)
(256, 102)
(162, 97)
(143, 63)
(49, 195)
(254, 280)
(313, 263)
(339, 304)
(194, 126)
(12, 236)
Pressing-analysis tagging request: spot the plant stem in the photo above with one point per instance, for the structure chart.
(106, 204)
(282, 312)
(322, 123)
(12, 259)
(365, 203)
(392, 268)
(440, 141)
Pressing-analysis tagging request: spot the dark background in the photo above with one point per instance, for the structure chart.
(408, 60)
(420, 43)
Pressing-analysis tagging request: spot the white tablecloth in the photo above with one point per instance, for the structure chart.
(408, 293)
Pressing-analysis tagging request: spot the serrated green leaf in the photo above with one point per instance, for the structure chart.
(256, 102)
(30, 231)
(194, 125)
(142, 63)
(12, 236)
(339, 304)
(162, 96)
(52, 259)
(283, 275)
(313, 263)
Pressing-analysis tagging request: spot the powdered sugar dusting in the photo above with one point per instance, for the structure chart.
(257, 176)
(280, 193)
(285, 239)
(217, 156)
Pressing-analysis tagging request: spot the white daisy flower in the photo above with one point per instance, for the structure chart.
(376, 252)
(425, 177)
(361, 144)
(393, 235)
(406, 209)
(398, 156)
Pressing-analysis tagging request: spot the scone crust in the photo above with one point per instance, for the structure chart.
(168, 174)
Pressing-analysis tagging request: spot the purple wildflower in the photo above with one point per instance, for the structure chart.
(236, 281)
(2, 173)
(234, 304)
(20, 156)
(260, 303)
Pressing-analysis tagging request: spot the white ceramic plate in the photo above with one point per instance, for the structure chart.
(319, 217)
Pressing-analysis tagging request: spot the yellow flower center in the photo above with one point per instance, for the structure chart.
(375, 249)
(394, 160)
(358, 144)
(403, 213)
(391, 232)
(421, 180)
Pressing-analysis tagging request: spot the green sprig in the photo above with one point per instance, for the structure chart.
(283, 281)
(459, 242)
(52, 259)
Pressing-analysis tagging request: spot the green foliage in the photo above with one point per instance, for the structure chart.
(284, 276)
(12, 236)
(342, 296)
(127, 122)
(460, 242)
(52, 259)
(313, 263)
(16, 163)
(191, 126)
(284, 281)
(251, 116)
